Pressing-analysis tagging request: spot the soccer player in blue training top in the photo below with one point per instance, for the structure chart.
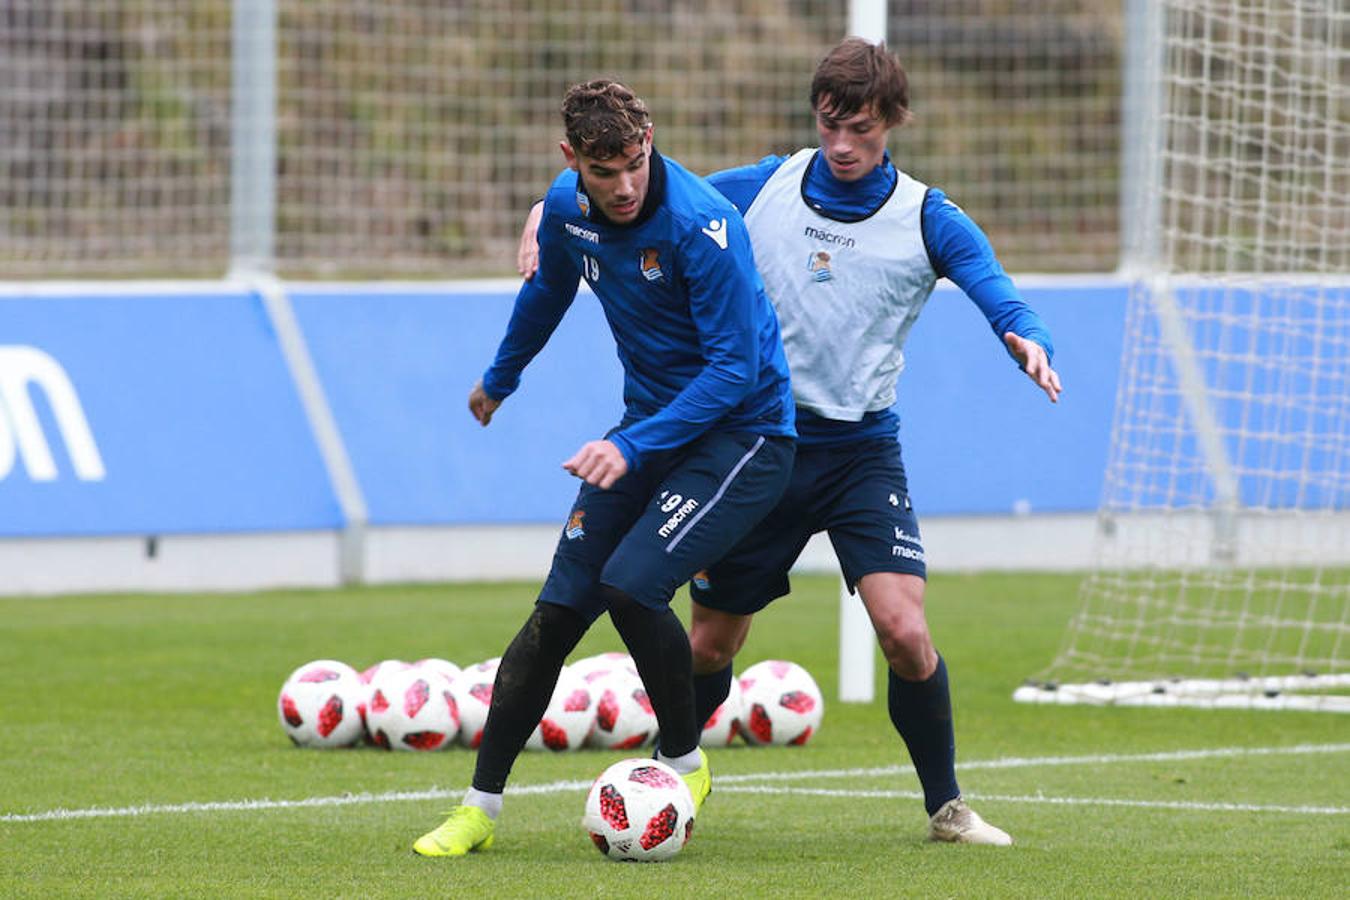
(704, 450)
(850, 248)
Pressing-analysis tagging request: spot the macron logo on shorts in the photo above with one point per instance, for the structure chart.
(905, 537)
(667, 505)
(908, 546)
(679, 509)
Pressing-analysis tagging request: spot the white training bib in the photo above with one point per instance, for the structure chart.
(827, 278)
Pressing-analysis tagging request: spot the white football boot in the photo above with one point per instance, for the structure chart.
(956, 823)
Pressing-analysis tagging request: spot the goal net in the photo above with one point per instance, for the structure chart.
(1222, 574)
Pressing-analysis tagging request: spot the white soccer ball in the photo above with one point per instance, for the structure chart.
(780, 703)
(724, 725)
(639, 810)
(624, 718)
(569, 718)
(317, 706)
(412, 709)
(444, 667)
(595, 667)
(473, 692)
(367, 676)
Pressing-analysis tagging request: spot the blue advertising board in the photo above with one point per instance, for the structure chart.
(162, 411)
(397, 366)
(978, 437)
(149, 414)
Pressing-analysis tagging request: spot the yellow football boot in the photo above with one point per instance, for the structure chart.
(467, 829)
(700, 782)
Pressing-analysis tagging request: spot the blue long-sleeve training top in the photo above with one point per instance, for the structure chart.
(695, 333)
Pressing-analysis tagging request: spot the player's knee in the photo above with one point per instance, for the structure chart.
(908, 648)
(713, 649)
(621, 606)
(709, 659)
(548, 635)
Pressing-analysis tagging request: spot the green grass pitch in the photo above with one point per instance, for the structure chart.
(143, 708)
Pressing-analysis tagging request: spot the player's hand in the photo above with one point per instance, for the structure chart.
(1035, 363)
(599, 463)
(481, 405)
(527, 254)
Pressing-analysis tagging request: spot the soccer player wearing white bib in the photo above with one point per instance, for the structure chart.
(850, 248)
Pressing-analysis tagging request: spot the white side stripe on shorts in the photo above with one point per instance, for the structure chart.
(722, 489)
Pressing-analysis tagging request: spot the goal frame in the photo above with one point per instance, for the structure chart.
(1222, 519)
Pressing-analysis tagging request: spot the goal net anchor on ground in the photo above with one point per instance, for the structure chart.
(1284, 692)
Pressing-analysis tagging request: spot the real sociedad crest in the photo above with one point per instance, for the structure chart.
(574, 527)
(651, 264)
(818, 264)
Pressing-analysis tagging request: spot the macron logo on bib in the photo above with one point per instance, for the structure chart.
(717, 230)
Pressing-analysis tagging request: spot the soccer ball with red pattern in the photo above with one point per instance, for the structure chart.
(473, 692)
(367, 676)
(780, 704)
(412, 709)
(569, 718)
(593, 668)
(624, 718)
(639, 810)
(317, 706)
(443, 666)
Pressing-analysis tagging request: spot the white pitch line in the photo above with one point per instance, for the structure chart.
(1014, 762)
(1190, 805)
(731, 782)
(118, 812)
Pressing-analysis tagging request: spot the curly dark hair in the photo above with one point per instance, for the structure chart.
(857, 76)
(602, 117)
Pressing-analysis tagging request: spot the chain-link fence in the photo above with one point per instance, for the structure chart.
(413, 134)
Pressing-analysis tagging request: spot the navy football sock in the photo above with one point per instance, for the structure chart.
(922, 712)
(525, 680)
(709, 692)
(660, 650)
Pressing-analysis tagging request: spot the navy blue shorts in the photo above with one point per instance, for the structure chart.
(858, 493)
(673, 516)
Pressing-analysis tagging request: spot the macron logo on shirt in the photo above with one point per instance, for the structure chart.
(829, 237)
(585, 234)
(717, 230)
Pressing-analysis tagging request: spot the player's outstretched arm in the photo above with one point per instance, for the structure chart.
(527, 253)
(481, 406)
(599, 463)
(1034, 362)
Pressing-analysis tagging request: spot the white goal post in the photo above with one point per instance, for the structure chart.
(1222, 573)
(857, 646)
